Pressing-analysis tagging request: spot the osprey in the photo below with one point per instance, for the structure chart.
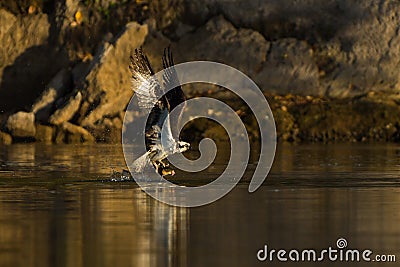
(152, 98)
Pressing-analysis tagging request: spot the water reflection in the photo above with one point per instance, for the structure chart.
(56, 211)
(20, 155)
(350, 158)
(75, 226)
(235, 228)
(68, 161)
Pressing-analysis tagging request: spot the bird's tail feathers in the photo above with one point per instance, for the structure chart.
(140, 163)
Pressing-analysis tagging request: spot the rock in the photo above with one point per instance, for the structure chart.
(22, 124)
(285, 125)
(79, 73)
(66, 112)
(71, 7)
(197, 13)
(61, 135)
(110, 131)
(7, 20)
(283, 66)
(220, 41)
(216, 133)
(290, 68)
(154, 47)
(44, 133)
(17, 34)
(108, 82)
(57, 87)
(356, 44)
(166, 12)
(66, 11)
(77, 134)
(182, 29)
(27, 60)
(5, 139)
(370, 49)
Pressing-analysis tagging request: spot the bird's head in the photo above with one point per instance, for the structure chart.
(183, 146)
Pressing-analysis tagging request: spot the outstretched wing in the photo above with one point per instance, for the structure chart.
(149, 95)
(144, 84)
(175, 96)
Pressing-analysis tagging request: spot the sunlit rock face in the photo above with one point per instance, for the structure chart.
(99, 90)
(27, 59)
(103, 91)
(5, 139)
(107, 85)
(22, 124)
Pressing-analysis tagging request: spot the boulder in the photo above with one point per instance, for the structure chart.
(28, 60)
(57, 87)
(60, 136)
(66, 112)
(153, 47)
(22, 124)
(5, 139)
(197, 13)
(44, 133)
(166, 13)
(77, 134)
(107, 90)
(290, 68)
(18, 34)
(220, 41)
(7, 20)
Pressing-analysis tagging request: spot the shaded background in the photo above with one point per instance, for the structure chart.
(64, 76)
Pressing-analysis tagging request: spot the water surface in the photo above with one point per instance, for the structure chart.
(56, 210)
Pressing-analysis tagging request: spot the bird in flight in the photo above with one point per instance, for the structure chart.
(152, 97)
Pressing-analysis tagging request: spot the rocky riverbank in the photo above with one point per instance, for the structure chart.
(369, 118)
(329, 70)
(372, 117)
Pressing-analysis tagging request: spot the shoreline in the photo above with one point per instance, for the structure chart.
(298, 119)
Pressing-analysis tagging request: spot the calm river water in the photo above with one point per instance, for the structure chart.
(55, 210)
